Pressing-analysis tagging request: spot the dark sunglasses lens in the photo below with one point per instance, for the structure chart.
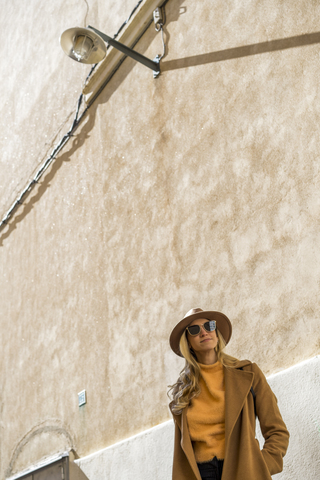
(210, 326)
(194, 330)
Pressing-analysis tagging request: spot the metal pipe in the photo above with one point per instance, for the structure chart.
(128, 51)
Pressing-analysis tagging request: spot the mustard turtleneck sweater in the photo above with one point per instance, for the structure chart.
(206, 415)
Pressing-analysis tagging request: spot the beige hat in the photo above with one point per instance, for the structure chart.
(223, 325)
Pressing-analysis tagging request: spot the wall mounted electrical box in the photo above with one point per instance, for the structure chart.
(82, 398)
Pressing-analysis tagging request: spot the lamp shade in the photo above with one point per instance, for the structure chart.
(83, 45)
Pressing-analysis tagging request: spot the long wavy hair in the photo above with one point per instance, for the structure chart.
(187, 385)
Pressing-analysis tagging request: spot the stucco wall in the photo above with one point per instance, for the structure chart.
(200, 188)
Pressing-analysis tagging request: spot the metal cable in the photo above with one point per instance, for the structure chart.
(127, 21)
(158, 27)
(164, 45)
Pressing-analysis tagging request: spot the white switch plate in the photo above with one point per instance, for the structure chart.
(82, 398)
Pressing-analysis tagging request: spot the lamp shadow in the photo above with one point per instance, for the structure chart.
(245, 51)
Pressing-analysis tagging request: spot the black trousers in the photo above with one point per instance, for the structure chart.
(211, 470)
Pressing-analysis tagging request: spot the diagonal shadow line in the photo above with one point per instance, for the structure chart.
(246, 51)
(78, 141)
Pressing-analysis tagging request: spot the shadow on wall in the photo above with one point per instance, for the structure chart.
(38, 445)
(245, 51)
(26, 208)
(120, 75)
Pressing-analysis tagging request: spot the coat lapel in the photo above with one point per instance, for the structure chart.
(186, 444)
(238, 384)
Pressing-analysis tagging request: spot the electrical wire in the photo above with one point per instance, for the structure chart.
(163, 44)
(45, 165)
(127, 21)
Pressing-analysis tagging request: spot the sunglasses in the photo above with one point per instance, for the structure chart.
(209, 326)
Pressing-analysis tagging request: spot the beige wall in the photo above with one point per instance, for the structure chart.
(200, 188)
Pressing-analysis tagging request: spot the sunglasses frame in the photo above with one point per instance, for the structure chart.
(202, 325)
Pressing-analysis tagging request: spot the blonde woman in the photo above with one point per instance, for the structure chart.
(215, 403)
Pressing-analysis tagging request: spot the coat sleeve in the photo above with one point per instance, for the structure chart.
(272, 426)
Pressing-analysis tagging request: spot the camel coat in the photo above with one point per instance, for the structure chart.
(243, 458)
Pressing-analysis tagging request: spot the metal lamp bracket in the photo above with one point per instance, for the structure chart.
(158, 18)
(159, 21)
(156, 59)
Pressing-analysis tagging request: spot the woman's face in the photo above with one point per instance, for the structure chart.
(204, 341)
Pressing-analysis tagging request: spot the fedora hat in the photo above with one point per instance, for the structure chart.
(223, 325)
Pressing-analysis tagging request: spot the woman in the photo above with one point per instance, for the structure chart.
(215, 403)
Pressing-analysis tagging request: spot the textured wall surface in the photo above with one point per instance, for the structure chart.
(297, 390)
(149, 455)
(146, 455)
(200, 188)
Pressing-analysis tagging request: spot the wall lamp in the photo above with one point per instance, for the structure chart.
(87, 45)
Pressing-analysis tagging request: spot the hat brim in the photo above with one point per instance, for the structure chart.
(223, 325)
